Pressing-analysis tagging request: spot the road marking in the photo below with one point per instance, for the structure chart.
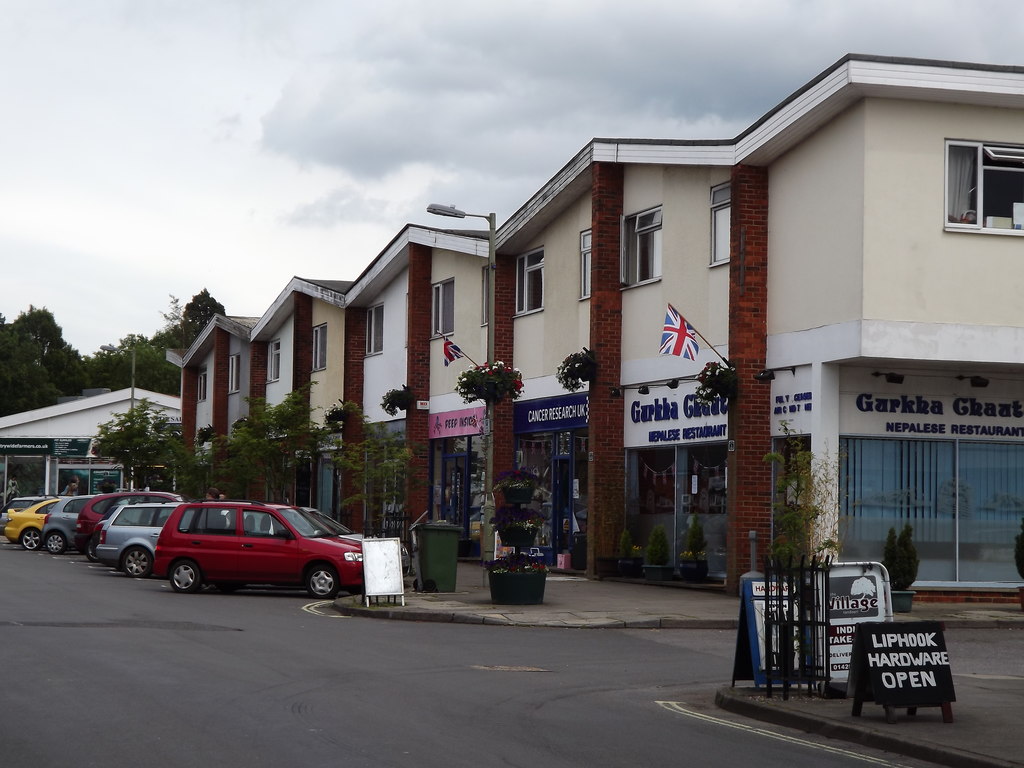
(678, 708)
(317, 610)
(489, 668)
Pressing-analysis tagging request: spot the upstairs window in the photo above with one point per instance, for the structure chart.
(274, 360)
(984, 186)
(375, 330)
(530, 282)
(320, 347)
(585, 247)
(721, 215)
(641, 257)
(234, 372)
(444, 308)
(202, 384)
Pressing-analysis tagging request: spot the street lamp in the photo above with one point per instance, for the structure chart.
(487, 510)
(112, 348)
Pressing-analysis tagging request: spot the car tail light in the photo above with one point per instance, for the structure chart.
(46, 519)
(103, 535)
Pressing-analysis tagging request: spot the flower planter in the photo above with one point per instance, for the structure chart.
(631, 567)
(693, 571)
(902, 600)
(606, 566)
(518, 537)
(517, 495)
(658, 572)
(517, 588)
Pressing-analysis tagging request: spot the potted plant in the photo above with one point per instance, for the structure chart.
(657, 567)
(631, 560)
(1018, 556)
(693, 560)
(900, 560)
(715, 380)
(517, 526)
(490, 382)
(396, 400)
(205, 434)
(516, 485)
(577, 369)
(516, 579)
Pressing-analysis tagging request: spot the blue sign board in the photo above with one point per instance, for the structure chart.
(552, 413)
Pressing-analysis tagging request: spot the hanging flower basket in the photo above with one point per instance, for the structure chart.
(396, 400)
(515, 524)
(491, 382)
(714, 381)
(577, 369)
(205, 434)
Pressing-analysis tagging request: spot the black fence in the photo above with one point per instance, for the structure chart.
(796, 627)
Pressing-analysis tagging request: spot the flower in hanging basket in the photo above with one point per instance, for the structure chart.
(515, 478)
(517, 517)
(205, 434)
(715, 380)
(516, 563)
(490, 382)
(396, 400)
(576, 369)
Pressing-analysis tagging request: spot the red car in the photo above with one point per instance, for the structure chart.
(233, 543)
(100, 507)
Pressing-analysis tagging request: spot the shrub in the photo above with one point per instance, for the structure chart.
(657, 546)
(900, 558)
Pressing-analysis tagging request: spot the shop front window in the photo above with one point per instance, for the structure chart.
(702, 492)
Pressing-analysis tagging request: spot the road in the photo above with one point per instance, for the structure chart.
(98, 668)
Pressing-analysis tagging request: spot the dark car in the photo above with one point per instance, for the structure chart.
(101, 505)
(233, 543)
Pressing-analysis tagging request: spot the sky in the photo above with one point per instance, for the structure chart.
(153, 148)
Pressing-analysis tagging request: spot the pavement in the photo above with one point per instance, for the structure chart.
(986, 712)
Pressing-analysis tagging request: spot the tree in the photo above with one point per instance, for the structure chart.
(197, 313)
(142, 441)
(39, 366)
(112, 369)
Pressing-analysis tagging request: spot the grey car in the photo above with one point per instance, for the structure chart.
(59, 528)
(128, 537)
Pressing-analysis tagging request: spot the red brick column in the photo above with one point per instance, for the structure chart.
(750, 477)
(606, 480)
(352, 430)
(257, 370)
(302, 342)
(219, 390)
(417, 377)
(504, 338)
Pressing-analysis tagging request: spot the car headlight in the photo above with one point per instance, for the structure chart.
(354, 557)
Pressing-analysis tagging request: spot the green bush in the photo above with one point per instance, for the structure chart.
(900, 558)
(657, 546)
(626, 543)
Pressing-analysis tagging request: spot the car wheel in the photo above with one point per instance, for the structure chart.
(31, 539)
(56, 543)
(90, 550)
(322, 581)
(137, 562)
(186, 577)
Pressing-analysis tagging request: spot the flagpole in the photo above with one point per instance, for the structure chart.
(710, 346)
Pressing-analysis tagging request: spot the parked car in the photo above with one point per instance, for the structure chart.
(230, 544)
(128, 537)
(103, 503)
(59, 523)
(344, 530)
(25, 526)
(18, 502)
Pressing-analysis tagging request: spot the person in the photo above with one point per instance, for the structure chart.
(71, 489)
(12, 490)
(213, 493)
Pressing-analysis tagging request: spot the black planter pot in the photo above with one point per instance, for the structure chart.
(693, 571)
(631, 567)
(658, 572)
(517, 495)
(517, 588)
(520, 538)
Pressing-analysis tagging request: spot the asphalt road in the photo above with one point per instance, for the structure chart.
(98, 669)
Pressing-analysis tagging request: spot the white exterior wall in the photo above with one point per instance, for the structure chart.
(470, 332)
(237, 406)
(386, 370)
(278, 390)
(204, 408)
(81, 418)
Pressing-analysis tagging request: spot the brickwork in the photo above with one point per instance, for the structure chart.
(302, 342)
(257, 369)
(219, 391)
(355, 354)
(606, 480)
(504, 312)
(417, 423)
(750, 477)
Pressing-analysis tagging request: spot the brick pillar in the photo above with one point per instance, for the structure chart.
(219, 390)
(750, 477)
(352, 430)
(417, 377)
(302, 342)
(504, 342)
(606, 480)
(257, 385)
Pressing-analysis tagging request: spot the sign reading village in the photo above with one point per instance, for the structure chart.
(915, 414)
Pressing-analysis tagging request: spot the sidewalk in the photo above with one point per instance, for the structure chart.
(984, 731)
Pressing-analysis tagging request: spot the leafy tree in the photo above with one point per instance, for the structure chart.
(113, 368)
(172, 335)
(197, 313)
(38, 365)
(142, 441)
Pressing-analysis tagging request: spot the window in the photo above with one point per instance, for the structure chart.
(641, 259)
(274, 360)
(530, 282)
(721, 214)
(375, 329)
(585, 240)
(444, 308)
(201, 384)
(320, 347)
(984, 186)
(234, 372)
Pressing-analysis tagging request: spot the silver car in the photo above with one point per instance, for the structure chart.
(128, 537)
(59, 525)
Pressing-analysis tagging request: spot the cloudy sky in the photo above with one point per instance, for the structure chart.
(153, 148)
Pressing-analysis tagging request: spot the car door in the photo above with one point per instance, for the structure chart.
(210, 537)
(269, 553)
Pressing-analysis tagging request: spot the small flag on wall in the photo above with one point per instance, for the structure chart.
(451, 352)
(678, 337)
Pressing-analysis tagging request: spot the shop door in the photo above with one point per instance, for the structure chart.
(562, 505)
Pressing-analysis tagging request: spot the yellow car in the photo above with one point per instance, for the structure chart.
(25, 526)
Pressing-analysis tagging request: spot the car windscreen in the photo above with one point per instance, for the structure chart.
(310, 526)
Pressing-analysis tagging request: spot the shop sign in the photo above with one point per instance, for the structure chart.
(467, 421)
(917, 415)
(552, 413)
(26, 446)
(77, 447)
(667, 419)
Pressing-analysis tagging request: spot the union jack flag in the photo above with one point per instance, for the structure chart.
(678, 337)
(451, 352)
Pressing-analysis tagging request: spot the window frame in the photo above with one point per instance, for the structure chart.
(203, 384)
(442, 314)
(320, 347)
(586, 249)
(530, 282)
(274, 360)
(987, 164)
(642, 247)
(234, 373)
(375, 329)
(721, 218)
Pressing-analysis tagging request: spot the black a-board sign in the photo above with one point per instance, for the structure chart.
(901, 664)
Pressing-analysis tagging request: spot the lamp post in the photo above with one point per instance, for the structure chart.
(487, 510)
